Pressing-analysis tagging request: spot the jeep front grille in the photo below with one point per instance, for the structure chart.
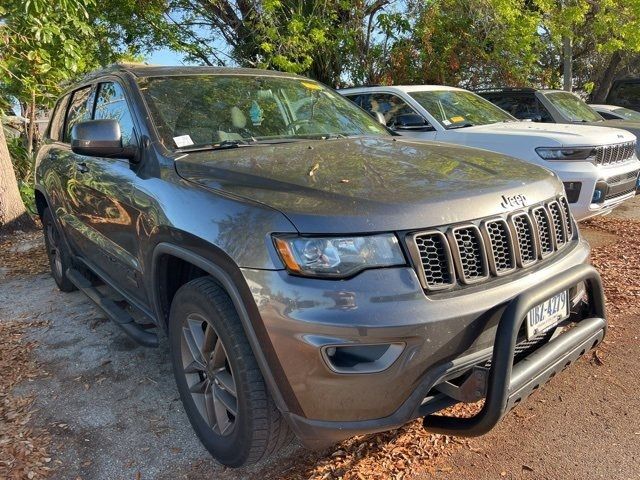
(476, 251)
(501, 251)
(470, 254)
(526, 238)
(558, 223)
(544, 230)
(612, 154)
(435, 256)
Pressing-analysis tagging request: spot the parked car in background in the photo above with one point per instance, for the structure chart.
(553, 106)
(314, 273)
(598, 166)
(626, 93)
(613, 112)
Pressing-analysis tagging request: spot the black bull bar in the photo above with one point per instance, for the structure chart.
(508, 383)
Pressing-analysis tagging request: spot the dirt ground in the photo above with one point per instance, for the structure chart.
(109, 408)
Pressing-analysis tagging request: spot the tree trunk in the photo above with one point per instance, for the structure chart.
(13, 215)
(603, 84)
(567, 65)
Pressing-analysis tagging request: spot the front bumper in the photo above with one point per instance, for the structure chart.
(617, 183)
(438, 334)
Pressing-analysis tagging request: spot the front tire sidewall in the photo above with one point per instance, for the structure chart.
(59, 275)
(232, 449)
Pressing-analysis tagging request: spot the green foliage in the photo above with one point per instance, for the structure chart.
(469, 43)
(44, 43)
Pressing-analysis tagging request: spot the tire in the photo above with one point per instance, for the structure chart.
(212, 361)
(59, 257)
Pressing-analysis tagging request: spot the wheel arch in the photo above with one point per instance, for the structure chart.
(228, 275)
(41, 201)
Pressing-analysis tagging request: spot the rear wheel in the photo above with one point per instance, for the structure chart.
(59, 257)
(218, 378)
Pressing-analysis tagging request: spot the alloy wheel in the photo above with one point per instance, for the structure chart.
(209, 375)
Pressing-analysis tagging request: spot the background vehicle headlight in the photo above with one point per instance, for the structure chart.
(338, 256)
(561, 153)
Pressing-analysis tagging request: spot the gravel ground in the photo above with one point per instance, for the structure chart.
(113, 412)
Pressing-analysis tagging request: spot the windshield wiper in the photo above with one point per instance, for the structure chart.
(224, 145)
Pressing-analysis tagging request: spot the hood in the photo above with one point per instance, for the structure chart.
(628, 125)
(370, 184)
(555, 134)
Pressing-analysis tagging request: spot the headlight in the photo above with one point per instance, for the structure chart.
(559, 153)
(338, 256)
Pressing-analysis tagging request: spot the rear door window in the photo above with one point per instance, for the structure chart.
(112, 103)
(79, 110)
(390, 106)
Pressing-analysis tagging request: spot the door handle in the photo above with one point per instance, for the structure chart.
(82, 167)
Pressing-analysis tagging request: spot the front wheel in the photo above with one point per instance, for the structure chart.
(218, 378)
(59, 257)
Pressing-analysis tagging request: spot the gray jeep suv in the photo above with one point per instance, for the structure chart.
(314, 273)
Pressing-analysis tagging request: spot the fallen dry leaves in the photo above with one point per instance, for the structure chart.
(23, 448)
(23, 254)
(618, 263)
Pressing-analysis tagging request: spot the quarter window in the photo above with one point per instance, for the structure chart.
(79, 110)
(57, 119)
(111, 103)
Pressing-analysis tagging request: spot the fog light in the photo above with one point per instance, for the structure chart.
(600, 192)
(356, 358)
(598, 196)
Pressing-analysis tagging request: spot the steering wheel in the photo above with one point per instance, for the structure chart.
(294, 126)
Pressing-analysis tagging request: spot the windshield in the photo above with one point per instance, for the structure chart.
(457, 108)
(572, 108)
(201, 110)
(627, 114)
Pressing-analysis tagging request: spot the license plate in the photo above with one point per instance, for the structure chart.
(549, 313)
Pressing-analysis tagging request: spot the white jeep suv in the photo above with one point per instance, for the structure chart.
(598, 165)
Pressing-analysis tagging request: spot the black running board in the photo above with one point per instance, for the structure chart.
(120, 317)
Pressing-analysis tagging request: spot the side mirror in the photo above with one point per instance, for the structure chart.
(99, 138)
(410, 121)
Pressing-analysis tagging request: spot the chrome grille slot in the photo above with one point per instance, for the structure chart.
(469, 253)
(559, 224)
(526, 239)
(500, 248)
(435, 257)
(545, 231)
(471, 258)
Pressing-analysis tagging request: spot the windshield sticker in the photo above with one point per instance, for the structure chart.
(457, 119)
(311, 86)
(255, 112)
(446, 122)
(183, 141)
